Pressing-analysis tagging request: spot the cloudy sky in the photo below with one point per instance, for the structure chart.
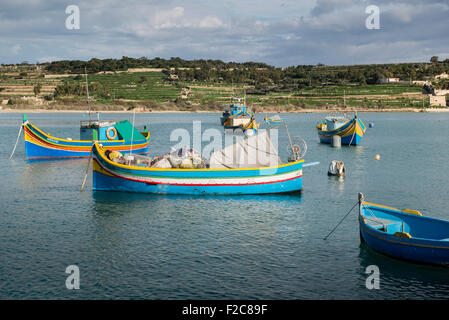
(281, 33)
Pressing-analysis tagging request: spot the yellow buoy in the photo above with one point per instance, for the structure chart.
(377, 157)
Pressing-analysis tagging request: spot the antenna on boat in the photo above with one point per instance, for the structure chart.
(132, 132)
(232, 92)
(87, 91)
(244, 96)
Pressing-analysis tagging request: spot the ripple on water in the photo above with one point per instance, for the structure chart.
(136, 246)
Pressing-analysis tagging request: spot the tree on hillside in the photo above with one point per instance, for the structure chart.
(37, 89)
(434, 59)
(142, 79)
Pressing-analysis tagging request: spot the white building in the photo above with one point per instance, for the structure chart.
(389, 80)
(437, 101)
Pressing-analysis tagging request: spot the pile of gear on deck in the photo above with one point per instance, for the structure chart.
(183, 158)
(250, 152)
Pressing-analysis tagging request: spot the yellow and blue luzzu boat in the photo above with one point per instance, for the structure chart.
(116, 135)
(351, 131)
(111, 176)
(404, 234)
(273, 120)
(237, 116)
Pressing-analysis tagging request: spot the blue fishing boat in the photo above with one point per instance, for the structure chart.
(404, 234)
(237, 116)
(218, 177)
(116, 135)
(350, 130)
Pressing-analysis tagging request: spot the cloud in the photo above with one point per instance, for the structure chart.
(283, 33)
(211, 22)
(169, 19)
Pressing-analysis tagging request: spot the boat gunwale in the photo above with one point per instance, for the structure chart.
(98, 149)
(115, 175)
(48, 136)
(403, 241)
(345, 126)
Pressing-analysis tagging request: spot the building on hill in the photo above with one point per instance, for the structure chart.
(421, 82)
(389, 80)
(444, 75)
(185, 92)
(437, 101)
(440, 92)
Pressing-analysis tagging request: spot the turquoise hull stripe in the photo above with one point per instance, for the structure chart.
(103, 182)
(34, 151)
(78, 143)
(202, 173)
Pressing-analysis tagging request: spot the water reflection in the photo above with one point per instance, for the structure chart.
(409, 280)
(47, 173)
(133, 201)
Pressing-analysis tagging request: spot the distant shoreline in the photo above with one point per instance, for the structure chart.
(402, 110)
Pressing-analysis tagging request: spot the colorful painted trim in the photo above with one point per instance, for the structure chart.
(109, 175)
(39, 145)
(351, 132)
(433, 249)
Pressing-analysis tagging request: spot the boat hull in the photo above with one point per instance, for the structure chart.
(351, 133)
(41, 146)
(234, 123)
(108, 176)
(416, 249)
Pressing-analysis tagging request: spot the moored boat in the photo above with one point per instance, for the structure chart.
(116, 135)
(250, 128)
(237, 116)
(351, 130)
(276, 119)
(404, 234)
(219, 177)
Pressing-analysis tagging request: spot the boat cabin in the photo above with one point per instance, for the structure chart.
(238, 107)
(334, 122)
(107, 130)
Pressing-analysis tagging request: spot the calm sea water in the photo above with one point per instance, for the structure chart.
(138, 246)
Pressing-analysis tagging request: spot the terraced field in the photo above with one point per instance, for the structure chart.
(152, 86)
(13, 86)
(369, 96)
(142, 86)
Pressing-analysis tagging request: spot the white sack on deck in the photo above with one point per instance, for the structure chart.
(252, 152)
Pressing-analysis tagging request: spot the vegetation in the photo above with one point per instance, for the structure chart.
(257, 73)
(209, 84)
(37, 89)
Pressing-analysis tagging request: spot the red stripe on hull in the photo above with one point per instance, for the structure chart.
(195, 184)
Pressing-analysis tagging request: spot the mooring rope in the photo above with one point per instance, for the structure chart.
(375, 218)
(17, 141)
(325, 238)
(87, 168)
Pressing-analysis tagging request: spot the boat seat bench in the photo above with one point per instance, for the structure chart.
(379, 223)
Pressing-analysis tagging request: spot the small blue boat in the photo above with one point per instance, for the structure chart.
(351, 131)
(404, 234)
